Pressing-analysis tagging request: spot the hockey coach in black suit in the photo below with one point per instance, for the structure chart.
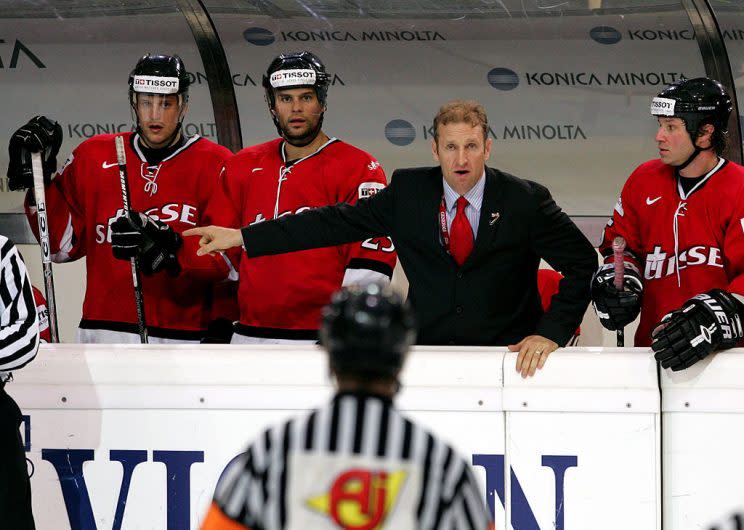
(469, 239)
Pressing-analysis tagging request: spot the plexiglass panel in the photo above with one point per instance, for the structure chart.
(730, 17)
(567, 85)
(71, 61)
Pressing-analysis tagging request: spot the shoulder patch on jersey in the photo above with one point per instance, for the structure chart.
(619, 207)
(64, 166)
(373, 165)
(368, 189)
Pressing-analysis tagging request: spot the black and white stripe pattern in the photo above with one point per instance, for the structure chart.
(19, 325)
(732, 522)
(253, 489)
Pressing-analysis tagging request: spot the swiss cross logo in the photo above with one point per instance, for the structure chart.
(360, 499)
(368, 189)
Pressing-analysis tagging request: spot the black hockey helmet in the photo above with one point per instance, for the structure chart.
(159, 74)
(697, 101)
(367, 331)
(293, 70)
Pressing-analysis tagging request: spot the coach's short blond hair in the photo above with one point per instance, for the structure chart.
(461, 111)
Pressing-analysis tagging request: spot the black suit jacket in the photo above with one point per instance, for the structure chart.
(492, 299)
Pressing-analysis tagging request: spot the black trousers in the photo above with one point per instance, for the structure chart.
(15, 486)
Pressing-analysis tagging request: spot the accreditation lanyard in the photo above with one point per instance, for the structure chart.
(443, 225)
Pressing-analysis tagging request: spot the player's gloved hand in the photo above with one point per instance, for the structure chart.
(39, 135)
(219, 331)
(616, 309)
(152, 242)
(705, 323)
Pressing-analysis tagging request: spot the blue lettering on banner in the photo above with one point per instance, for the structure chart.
(178, 464)
(68, 463)
(523, 517)
(27, 432)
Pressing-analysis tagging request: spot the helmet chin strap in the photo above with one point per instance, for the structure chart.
(305, 140)
(693, 156)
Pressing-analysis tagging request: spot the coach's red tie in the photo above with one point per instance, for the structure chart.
(461, 238)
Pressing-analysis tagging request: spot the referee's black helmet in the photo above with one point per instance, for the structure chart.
(367, 331)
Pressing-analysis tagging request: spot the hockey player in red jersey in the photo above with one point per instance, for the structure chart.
(681, 217)
(174, 185)
(281, 296)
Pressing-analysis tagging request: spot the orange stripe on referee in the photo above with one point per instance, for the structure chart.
(216, 520)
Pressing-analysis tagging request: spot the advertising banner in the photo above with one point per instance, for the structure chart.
(136, 436)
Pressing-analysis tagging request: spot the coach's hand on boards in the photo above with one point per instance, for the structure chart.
(705, 323)
(39, 135)
(215, 238)
(152, 242)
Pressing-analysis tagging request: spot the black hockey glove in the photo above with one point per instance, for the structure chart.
(39, 135)
(616, 309)
(152, 242)
(219, 331)
(705, 323)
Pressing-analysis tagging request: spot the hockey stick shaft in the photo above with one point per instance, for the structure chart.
(618, 249)
(46, 257)
(139, 300)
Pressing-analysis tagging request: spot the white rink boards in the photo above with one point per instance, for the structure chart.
(130, 437)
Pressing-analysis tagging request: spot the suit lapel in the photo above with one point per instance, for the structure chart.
(490, 215)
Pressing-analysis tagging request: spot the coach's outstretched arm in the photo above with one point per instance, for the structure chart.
(215, 238)
(320, 227)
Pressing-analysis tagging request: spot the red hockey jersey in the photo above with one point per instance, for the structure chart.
(548, 283)
(183, 191)
(281, 296)
(688, 243)
(45, 334)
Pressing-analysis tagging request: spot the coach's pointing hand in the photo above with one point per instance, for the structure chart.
(215, 238)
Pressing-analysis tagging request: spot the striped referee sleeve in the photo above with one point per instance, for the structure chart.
(463, 507)
(19, 322)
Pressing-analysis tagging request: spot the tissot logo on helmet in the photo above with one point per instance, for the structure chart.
(286, 78)
(296, 69)
(662, 107)
(156, 85)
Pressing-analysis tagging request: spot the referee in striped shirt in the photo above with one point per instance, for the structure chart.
(19, 340)
(357, 463)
